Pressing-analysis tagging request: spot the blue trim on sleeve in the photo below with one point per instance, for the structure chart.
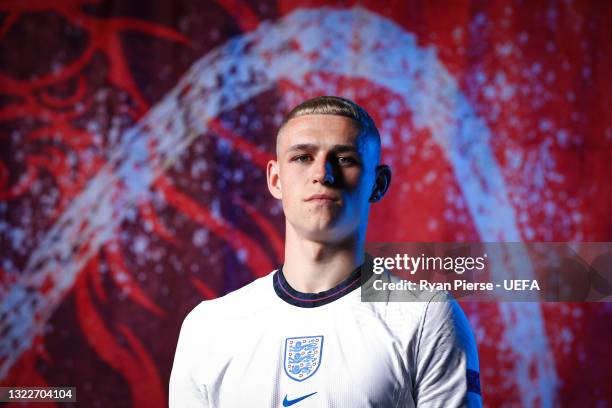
(473, 381)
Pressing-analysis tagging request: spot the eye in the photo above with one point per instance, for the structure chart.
(347, 160)
(302, 158)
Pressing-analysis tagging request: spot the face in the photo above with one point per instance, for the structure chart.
(324, 174)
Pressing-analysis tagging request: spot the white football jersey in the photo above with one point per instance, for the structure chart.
(267, 345)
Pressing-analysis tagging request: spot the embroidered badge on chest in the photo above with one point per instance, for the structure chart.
(303, 356)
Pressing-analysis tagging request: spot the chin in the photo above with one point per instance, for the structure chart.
(329, 233)
(317, 233)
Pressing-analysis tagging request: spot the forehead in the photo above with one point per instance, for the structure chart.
(320, 130)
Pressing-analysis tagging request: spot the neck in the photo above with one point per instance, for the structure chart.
(312, 267)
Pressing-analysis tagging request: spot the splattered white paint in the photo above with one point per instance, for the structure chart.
(238, 71)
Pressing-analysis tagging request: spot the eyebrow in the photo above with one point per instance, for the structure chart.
(311, 147)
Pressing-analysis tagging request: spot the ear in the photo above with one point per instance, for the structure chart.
(381, 183)
(273, 176)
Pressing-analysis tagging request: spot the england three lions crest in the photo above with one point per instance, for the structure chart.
(303, 356)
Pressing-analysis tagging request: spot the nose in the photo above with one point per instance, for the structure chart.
(323, 172)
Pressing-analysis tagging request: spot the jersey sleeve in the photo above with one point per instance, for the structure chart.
(447, 358)
(184, 391)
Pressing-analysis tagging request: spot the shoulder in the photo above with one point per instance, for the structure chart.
(434, 318)
(240, 303)
(392, 296)
(403, 310)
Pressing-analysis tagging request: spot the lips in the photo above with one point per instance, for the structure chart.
(322, 197)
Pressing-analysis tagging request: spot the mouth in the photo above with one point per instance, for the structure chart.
(322, 198)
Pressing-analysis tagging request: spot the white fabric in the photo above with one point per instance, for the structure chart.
(231, 353)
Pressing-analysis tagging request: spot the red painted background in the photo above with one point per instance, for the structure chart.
(77, 75)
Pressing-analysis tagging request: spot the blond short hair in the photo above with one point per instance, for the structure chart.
(335, 105)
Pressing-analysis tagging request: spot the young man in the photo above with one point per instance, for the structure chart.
(301, 336)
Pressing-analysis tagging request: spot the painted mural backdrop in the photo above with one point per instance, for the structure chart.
(134, 138)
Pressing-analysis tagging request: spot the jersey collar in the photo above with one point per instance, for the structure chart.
(308, 300)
